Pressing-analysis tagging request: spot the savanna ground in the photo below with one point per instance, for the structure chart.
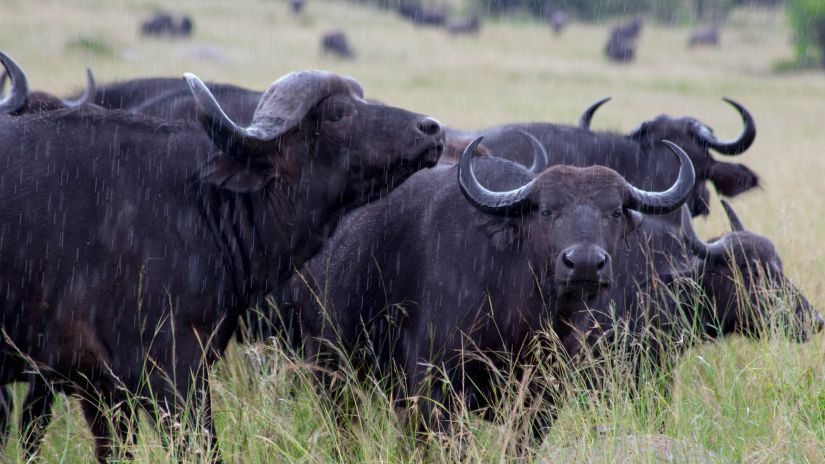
(745, 401)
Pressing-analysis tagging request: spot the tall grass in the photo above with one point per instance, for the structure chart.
(736, 400)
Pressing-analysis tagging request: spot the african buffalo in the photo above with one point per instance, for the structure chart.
(743, 277)
(621, 43)
(637, 156)
(297, 6)
(131, 245)
(557, 19)
(336, 43)
(706, 36)
(19, 102)
(22, 101)
(819, 34)
(422, 16)
(480, 264)
(467, 25)
(675, 289)
(165, 24)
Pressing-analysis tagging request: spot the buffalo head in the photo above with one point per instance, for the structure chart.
(698, 139)
(574, 217)
(316, 126)
(744, 279)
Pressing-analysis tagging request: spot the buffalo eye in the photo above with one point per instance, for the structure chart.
(335, 114)
(546, 213)
(617, 213)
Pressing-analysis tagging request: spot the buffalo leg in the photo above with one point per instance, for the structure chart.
(99, 425)
(200, 416)
(188, 404)
(37, 414)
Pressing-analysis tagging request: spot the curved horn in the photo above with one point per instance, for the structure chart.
(281, 108)
(692, 240)
(735, 223)
(540, 157)
(88, 94)
(19, 91)
(478, 195)
(227, 135)
(587, 116)
(741, 143)
(672, 198)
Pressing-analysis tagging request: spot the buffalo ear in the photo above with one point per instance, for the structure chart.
(503, 233)
(454, 147)
(240, 175)
(732, 179)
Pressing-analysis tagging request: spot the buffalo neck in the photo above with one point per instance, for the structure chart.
(264, 235)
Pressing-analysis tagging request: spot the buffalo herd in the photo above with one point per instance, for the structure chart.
(141, 220)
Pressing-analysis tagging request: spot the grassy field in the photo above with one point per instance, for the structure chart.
(744, 401)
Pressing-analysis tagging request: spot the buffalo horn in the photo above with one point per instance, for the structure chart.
(587, 116)
(540, 157)
(696, 244)
(88, 94)
(478, 195)
(735, 223)
(281, 108)
(741, 143)
(19, 91)
(672, 198)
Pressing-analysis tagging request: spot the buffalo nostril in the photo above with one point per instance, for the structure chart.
(565, 259)
(429, 126)
(602, 262)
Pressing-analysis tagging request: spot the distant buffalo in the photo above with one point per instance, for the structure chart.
(422, 16)
(819, 29)
(336, 43)
(297, 6)
(705, 36)
(557, 19)
(164, 23)
(621, 44)
(467, 25)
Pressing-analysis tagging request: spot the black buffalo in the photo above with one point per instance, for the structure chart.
(621, 43)
(637, 156)
(675, 289)
(819, 35)
(706, 36)
(336, 43)
(422, 16)
(165, 24)
(467, 25)
(743, 277)
(18, 102)
(557, 19)
(297, 6)
(440, 266)
(135, 244)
